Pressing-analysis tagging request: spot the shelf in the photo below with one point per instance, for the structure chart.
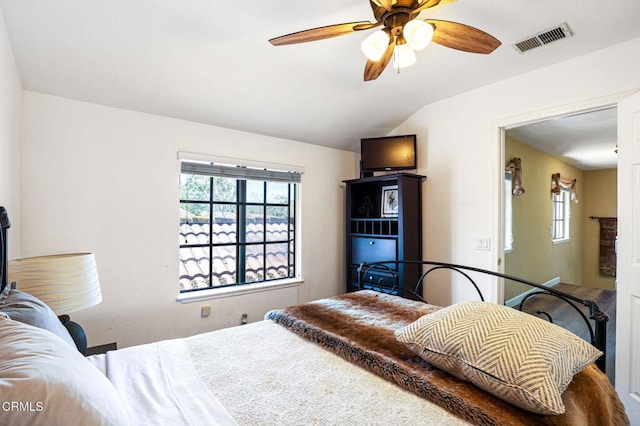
(373, 238)
(377, 226)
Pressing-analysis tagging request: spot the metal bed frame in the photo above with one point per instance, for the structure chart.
(597, 332)
(389, 284)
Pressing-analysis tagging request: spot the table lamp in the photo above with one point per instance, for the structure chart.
(66, 282)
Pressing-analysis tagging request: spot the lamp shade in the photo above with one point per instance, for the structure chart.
(418, 34)
(66, 282)
(403, 56)
(375, 45)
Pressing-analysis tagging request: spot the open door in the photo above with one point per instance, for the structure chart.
(628, 267)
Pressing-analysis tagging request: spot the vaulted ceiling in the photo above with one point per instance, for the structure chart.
(210, 61)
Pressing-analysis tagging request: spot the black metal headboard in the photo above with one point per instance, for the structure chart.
(4, 253)
(597, 331)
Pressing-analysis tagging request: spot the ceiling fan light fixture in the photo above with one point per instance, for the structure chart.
(375, 45)
(393, 16)
(417, 33)
(403, 56)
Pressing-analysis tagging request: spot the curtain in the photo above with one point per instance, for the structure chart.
(558, 182)
(515, 167)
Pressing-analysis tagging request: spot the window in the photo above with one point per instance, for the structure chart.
(237, 225)
(561, 214)
(508, 212)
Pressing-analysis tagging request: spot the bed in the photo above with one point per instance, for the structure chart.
(366, 357)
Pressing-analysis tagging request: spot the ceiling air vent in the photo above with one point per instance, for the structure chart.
(544, 37)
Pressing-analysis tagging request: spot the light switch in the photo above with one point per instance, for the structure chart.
(483, 244)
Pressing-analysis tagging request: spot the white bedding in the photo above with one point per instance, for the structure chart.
(159, 386)
(257, 374)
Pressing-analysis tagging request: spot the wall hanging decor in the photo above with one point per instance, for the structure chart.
(608, 235)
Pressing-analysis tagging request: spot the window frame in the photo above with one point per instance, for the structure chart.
(561, 215)
(190, 295)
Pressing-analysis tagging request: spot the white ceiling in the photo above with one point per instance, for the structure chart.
(209, 61)
(587, 141)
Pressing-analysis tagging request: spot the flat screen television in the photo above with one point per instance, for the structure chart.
(388, 153)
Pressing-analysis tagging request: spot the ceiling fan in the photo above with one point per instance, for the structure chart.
(402, 34)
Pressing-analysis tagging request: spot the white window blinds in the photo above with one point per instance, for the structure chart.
(239, 172)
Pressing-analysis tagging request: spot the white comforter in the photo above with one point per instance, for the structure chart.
(257, 374)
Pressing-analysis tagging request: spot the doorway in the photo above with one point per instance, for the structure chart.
(580, 146)
(554, 239)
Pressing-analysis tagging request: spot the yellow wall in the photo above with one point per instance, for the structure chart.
(534, 255)
(601, 199)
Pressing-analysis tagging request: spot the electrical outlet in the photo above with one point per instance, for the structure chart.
(243, 319)
(205, 311)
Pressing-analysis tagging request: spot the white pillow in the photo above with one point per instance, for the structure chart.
(45, 381)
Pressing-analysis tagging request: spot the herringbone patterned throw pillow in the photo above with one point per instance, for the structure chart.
(517, 357)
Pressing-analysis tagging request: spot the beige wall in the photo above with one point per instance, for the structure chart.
(459, 148)
(601, 199)
(10, 133)
(534, 255)
(105, 180)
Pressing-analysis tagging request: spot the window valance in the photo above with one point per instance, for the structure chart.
(515, 167)
(559, 182)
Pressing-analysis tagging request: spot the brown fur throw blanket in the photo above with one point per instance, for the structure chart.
(360, 328)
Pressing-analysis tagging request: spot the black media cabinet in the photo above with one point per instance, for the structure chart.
(373, 235)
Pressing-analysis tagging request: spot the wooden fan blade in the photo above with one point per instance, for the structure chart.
(463, 37)
(372, 70)
(366, 26)
(427, 4)
(387, 4)
(322, 32)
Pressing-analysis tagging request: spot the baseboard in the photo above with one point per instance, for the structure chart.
(516, 300)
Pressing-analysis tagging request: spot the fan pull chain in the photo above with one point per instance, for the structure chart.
(396, 54)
